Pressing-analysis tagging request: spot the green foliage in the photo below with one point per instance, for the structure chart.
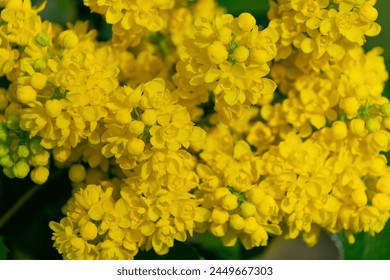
(257, 8)
(3, 249)
(211, 247)
(59, 11)
(386, 91)
(237, 7)
(367, 247)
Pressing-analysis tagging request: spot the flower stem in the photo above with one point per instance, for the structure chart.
(27, 196)
(5, 218)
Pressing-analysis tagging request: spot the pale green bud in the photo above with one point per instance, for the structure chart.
(3, 150)
(21, 169)
(6, 161)
(23, 151)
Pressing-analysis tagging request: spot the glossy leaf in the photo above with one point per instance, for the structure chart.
(367, 247)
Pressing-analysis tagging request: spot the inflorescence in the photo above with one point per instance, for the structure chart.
(191, 120)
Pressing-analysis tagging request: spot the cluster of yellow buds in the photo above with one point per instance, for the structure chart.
(229, 57)
(322, 30)
(191, 120)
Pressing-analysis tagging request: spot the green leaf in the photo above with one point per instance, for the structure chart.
(212, 248)
(60, 11)
(250, 6)
(367, 247)
(258, 9)
(386, 91)
(3, 249)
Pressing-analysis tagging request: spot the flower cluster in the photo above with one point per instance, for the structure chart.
(332, 98)
(191, 120)
(322, 30)
(229, 57)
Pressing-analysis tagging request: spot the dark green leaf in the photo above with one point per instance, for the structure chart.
(367, 247)
(386, 91)
(60, 11)
(3, 250)
(211, 247)
(251, 6)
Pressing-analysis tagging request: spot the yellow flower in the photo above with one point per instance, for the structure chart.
(67, 242)
(26, 94)
(220, 56)
(8, 55)
(21, 20)
(217, 52)
(318, 31)
(155, 95)
(175, 129)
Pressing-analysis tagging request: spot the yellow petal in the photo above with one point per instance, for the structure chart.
(113, 15)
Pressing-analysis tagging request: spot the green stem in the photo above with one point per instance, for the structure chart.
(27, 196)
(19, 204)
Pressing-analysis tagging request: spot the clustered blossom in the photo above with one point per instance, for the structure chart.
(191, 120)
(228, 57)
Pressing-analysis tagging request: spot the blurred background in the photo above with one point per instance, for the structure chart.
(24, 231)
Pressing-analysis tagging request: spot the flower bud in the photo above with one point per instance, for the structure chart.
(240, 54)
(88, 231)
(136, 127)
(247, 209)
(9, 172)
(246, 21)
(381, 201)
(359, 197)
(385, 109)
(229, 202)
(3, 150)
(358, 127)
(220, 216)
(39, 175)
(35, 146)
(21, 169)
(373, 124)
(149, 117)
(77, 173)
(26, 94)
(6, 161)
(217, 52)
(42, 39)
(135, 146)
(123, 116)
(40, 64)
(23, 151)
(69, 39)
(38, 80)
(251, 225)
(202, 214)
(350, 106)
(61, 154)
(53, 107)
(3, 132)
(236, 222)
(40, 159)
(339, 130)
